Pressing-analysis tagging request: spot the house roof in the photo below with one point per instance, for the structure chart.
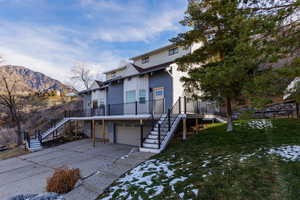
(153, 51)
(153, 68)
(99, 83)
(140, 70)
(114, 70)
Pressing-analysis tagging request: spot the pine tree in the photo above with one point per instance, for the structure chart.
(238, 37)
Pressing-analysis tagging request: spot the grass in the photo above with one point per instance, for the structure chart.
(12, 152)
(217, 165)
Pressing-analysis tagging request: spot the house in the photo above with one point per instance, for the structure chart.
(141, 103)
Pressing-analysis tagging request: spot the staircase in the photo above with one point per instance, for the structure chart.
(35, 144)
(163, 130)
(54, 128)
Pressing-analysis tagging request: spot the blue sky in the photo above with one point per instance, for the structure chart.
(51, 36)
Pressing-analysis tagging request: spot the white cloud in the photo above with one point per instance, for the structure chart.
(54, 49)
(145, 31)
(50, 50)
(102, 5)
(133, 21)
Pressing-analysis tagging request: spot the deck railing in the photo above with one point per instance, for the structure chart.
(155, 107)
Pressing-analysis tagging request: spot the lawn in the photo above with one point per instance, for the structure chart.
(12, 152)
(259, 160)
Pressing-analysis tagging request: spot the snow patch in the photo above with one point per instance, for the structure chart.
(260, 124)
(245, 157)
(288, 153)
(143, 177)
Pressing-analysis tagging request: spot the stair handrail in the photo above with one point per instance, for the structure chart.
(27, 138)
(168, 118)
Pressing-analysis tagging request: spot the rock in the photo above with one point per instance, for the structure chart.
(23, 197)
(44, 196)
(3, 148)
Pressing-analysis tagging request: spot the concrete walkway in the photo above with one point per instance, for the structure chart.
(103, 164)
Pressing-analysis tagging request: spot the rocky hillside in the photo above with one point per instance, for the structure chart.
(31, 81)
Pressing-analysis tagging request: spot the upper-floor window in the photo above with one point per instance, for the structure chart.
(142, 96)
(130, 96)
(173, 51)
(145, 60)
(113, 74)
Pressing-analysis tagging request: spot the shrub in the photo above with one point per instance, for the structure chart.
(63, 180)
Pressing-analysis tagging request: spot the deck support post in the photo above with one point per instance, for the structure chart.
(184, 129)
(103, 130)
(76, 131)
(142, 133)
(93, 133)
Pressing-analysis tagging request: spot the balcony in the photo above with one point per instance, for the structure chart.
(150, 108)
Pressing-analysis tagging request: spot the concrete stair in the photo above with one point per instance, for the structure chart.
(35, 145)
(151, 142)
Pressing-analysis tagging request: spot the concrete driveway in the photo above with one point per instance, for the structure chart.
(102, 165)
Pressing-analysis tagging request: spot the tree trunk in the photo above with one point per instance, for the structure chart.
(229, 115)
(19, 133)
(16, 119)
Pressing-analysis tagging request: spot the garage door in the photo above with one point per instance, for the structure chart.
(128, 135)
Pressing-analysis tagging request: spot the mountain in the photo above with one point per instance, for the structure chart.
(31, 81)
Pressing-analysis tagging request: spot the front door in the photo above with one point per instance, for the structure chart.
(158, 100)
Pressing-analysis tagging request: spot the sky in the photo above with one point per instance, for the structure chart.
(51, 36)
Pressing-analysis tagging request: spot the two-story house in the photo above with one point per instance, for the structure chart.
(141, 103)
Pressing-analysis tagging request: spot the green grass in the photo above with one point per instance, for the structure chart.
(222, 165)
(13, 152)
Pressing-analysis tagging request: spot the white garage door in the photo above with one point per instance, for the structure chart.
(128, 135)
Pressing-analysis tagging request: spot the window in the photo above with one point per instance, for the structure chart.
(113, 74)
(101, 101)
(142, 96)
(145, 60)
(95, 104)
(158, 93)
(130, 96)
(173, 51)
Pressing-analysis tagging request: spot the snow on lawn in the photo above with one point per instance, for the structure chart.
(145, 177)
(260, 124)
(288, 153)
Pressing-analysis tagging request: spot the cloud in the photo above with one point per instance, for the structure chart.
(102, 5)
(133, 21)
(143, 32)
(100, 33)
(52, 50)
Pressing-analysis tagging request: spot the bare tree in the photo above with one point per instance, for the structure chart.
(12, 102)
(82, 75)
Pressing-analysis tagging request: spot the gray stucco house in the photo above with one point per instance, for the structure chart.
(141, 102)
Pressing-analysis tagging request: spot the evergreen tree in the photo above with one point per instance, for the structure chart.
(238, 38)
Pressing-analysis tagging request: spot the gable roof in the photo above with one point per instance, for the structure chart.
(153, 51)
(99, 83)
(153, 68)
